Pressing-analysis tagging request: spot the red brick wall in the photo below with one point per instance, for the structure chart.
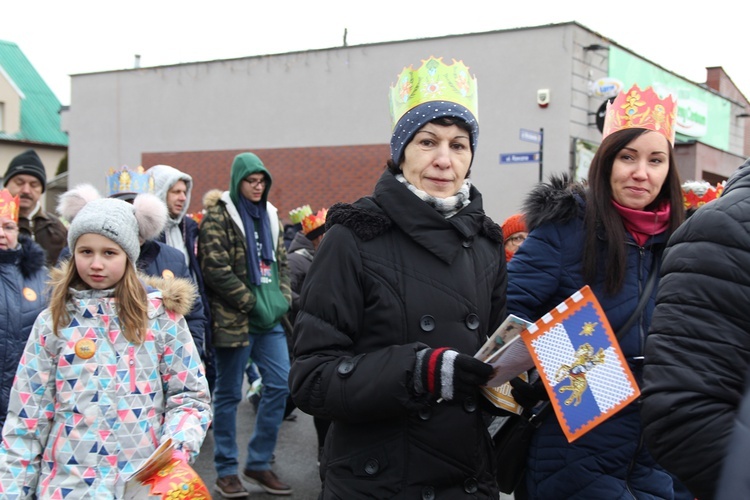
(318, 177)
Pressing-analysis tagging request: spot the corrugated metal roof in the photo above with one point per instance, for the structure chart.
(40, 117)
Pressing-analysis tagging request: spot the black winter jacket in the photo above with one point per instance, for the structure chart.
(300, 256)
(161, 260)
(392, 277)
(698, 349)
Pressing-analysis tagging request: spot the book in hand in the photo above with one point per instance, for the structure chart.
(166, 474)
(501, 396)
(505, 352)
(510, 358)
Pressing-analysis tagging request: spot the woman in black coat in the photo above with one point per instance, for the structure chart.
(404, 289)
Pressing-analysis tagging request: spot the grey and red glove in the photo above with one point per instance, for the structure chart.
(448, 374)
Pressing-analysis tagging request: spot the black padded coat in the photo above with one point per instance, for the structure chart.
(391, 277)
(698, 348)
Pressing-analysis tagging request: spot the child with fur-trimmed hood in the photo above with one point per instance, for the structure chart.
(110, 370)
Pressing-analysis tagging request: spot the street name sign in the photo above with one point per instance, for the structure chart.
(519, 157)
(530, 136)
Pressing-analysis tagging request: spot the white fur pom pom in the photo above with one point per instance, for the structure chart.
(151, 214)
(72, 201)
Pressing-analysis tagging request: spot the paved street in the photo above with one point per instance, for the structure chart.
(296, 456)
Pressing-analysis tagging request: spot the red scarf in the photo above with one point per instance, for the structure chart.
(643, 224)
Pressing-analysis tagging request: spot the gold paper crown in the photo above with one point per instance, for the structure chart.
(638, 108)
(9, 205)
(314, 221)
(698, 193)
(433, 81)
(299, 213)
(126, 180)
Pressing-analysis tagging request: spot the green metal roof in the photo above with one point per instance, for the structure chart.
(40, 117)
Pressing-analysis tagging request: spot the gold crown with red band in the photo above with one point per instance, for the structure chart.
(314, 221)
(433, 81)
(638, 108)
(698, 193)
(9, 205)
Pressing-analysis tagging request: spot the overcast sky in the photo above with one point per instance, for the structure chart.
(82, 36)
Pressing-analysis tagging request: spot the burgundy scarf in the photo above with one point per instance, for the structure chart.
(643, 224)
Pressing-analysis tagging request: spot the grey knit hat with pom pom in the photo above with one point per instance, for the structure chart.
(115, 219)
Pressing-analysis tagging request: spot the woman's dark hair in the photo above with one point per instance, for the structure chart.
(602, 218)
(445, 121)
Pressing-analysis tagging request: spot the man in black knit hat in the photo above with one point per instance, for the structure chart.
(26, 178)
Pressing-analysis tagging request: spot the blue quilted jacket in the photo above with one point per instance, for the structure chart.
(610, 461)
(22, 298)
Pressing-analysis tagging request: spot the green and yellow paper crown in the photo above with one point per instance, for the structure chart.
(126, 180)
(638, 108)
(299, 213)
(433, 81)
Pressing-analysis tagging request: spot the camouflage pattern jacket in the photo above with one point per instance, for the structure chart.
(222, 251)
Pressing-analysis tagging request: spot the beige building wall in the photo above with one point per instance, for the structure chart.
(338, 97)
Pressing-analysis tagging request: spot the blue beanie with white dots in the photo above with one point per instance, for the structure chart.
(419, 116)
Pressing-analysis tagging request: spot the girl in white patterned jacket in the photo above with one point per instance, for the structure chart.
(110, 370)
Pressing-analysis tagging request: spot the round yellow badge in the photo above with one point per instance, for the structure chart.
(29, 294)
(85, 348)
(167, 274)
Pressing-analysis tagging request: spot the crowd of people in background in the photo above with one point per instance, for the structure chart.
(127, 323)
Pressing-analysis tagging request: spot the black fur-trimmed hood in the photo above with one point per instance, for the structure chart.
(365, 223)
(559, 200)
(33, 257)
(369, 223)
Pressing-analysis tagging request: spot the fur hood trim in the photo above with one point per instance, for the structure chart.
(560, 200)
(366, 224)
(211, 198)
(492, 230)
(178, 294)
(32, 258)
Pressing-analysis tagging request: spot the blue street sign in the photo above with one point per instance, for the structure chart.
(530, 136)
(519, 157)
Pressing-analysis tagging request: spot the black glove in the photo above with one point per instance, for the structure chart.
(447, 373)
(528, 395)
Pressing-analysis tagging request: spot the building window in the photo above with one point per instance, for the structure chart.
(2, 116)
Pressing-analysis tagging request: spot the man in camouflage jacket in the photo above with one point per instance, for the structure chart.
(243, 260)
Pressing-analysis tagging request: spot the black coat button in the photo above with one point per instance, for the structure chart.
(428, 493)
(470, 485)
(427, 323)
(472, 321)
(467, 243)
(470, 404)
(372, 466)
(425, 413)
(345, 368)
